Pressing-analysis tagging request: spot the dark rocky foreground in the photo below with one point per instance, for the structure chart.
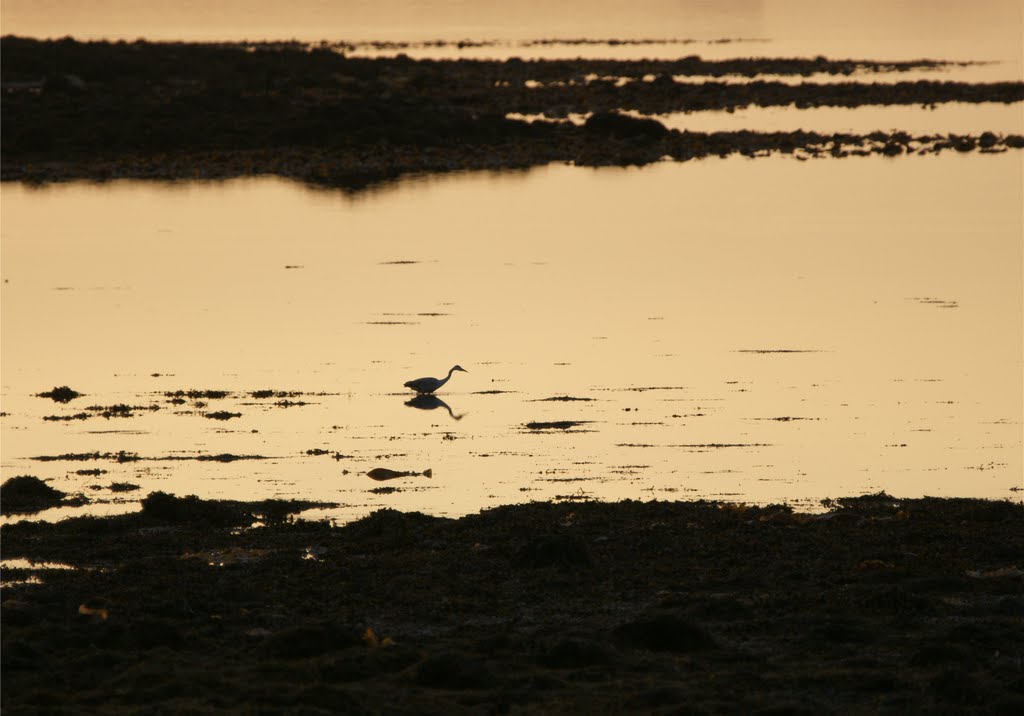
(99, 111)
(878, 605)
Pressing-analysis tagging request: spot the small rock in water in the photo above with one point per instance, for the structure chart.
(63, 394)
(383, 473)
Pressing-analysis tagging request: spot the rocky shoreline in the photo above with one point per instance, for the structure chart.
(877, 605)
(101, 111)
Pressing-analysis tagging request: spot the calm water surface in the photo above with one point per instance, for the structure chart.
(988, 30)
(663, 296)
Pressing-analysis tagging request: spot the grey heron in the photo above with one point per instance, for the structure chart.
(429, 385)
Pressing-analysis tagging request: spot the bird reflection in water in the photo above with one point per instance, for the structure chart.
(431, 402)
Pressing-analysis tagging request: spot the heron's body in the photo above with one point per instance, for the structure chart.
(429, 385)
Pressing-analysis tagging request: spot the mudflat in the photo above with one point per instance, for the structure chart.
(876, 605)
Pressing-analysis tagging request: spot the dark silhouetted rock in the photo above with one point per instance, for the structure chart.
(665, 632)
(26, 493)
(556, 550)
(625, 127)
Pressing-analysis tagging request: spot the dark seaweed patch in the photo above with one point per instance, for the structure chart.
(225, 110)
(562, 399)
(275, 394)
(636, 607)
(120, 410)
(120, 456)
(222, 415)
(123, 487)
(556, 424)
(124, 456)
(222, 457)
(198, 394)
(63, 394)
(26, 493)
(702, 446)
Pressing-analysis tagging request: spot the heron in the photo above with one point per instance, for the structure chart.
(429, 385)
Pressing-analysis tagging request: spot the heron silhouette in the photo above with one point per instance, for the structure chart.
(425, 401)
(429, 385)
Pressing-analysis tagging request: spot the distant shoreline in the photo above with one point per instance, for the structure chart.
(101, 111)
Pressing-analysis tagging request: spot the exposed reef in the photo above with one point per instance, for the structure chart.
(101, 111)
(879, 605)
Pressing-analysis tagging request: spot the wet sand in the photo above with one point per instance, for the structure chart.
(190, 111)
(877, 605)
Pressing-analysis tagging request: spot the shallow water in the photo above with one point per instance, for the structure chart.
(757, 330)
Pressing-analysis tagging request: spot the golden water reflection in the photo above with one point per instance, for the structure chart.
(869, 29)
(760, 330)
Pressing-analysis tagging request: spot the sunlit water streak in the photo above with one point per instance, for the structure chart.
(949, 118)
(869, 29)
(763, 330)
(942, 119)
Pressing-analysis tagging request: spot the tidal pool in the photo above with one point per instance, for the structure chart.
(753, 330)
